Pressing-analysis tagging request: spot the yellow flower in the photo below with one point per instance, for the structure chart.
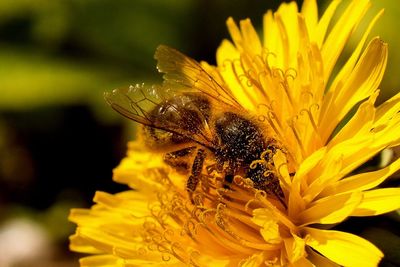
(285, 81)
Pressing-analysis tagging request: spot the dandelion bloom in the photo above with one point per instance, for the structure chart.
(285, 81)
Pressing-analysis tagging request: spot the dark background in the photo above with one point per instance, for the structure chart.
(59, 141)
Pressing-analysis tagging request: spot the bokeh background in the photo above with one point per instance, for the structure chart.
(59, 141)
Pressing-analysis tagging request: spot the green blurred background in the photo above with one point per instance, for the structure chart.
(59, 140)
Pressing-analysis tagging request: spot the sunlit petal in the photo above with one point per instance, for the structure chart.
(335, 244)
(378, 201)
(332, 209)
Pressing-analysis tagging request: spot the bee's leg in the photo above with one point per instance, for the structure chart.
(195, 175)
(211, 168)
(179, 159)
(217, 167)
(229, 174)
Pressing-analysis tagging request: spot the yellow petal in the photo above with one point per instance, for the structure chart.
(253, 261)
(138, 169)
(327, 170)
(325, 21)
(360, 124)
(102, 261)
(378, 201)
(226, 52)
(204, 260)
(109, 242)
(347, 69)
(287, 22)
(362, 181)
(113, 261)
(235, 34)
(319, 260)
(344, 248)
(295, 248)
(272, 40)
(302, 262)
(270, 232)
(296, 202)
(362, 82)
(250, 37)
(386, 135)
(120, 243)
(124, 202)
(231, 69)
(387, 110)
(342, 159)
(366, 75)
(332, 209)
(310, 11)
(281, 162)
(309, 164)
(79, 244)
(270, 228)
(340, 33)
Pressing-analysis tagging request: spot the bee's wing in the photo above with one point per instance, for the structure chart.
(184, 71)
(137, 102)
(134, 102)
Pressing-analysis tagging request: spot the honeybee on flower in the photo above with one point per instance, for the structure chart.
(265, 191)
(193, 118)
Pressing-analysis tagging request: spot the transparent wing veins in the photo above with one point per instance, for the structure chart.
(136, 102)
(121, 100)
(185, 71)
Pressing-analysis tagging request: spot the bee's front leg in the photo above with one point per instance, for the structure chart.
(195, 175)
(180, 159)
(229, 174)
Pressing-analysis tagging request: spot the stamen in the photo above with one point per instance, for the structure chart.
(291, 73)
(168, 235)
(267, 173)
(254, 163)
(222, 222)
(247, 76)
(292, 126)
(177, 248)
(262, 75)
(283, 165)
(284, 38)
(285, 86)
(254, 81)
(166, 257)
(235, 68)
(277, 213)
(267, 54)
(311, 118)
(275, 124)
(318, 138)
(308, 93)
(192, 258)
(191, 228)
(218, 235)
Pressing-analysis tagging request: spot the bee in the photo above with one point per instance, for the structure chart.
(191, 117)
